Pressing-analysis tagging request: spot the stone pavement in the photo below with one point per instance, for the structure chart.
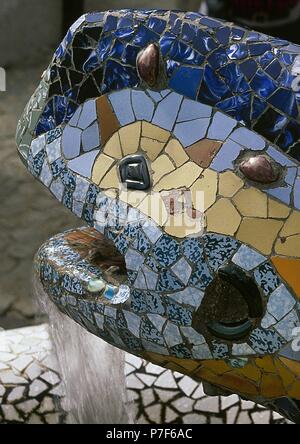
(28, 214)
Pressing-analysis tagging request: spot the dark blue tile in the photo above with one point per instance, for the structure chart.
(211, 23)
(104, 47)
(130, 55)
(110, 23)
(119, 77)
(259, 49)
(284, 100)
(185, 54)
(262, 84)
(213, 89)
(186, 81)
(204, 43)
(234, 78)
(248, 68)
(218, 59)
(188, 32)
(270, 124)
(117, 49)
(166, 42)
(223, 35)
(258, 107)
(157, 25)
(125, 33)
(237, 51)
(143, 36)
(238, 107)
(274, 69)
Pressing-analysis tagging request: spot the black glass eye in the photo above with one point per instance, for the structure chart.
(134, 173)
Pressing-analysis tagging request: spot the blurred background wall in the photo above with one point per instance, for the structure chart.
(28, 28)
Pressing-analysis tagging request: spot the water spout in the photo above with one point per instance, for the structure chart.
(93, 371)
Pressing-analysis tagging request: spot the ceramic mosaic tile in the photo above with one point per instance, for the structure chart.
(176, 136)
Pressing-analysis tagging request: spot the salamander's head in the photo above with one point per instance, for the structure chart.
(176, 137)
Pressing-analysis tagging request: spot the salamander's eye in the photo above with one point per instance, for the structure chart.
(134, 173)
(260, 169)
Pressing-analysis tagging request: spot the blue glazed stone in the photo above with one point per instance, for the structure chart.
(247, 258)
(71, 142)
(248, 138)
(190, 132)
(226, 156)
(267, 278)
(179, 315)
(167, 111)
(192, 249)
(172, 335)
(221, 127)
(287, 326)
(182, 270)
(166, 251)
(88, 115)
(280, 302)
(124, 113)
(143, 106)
(167, 282)
(91, 138)
(83, 164)
(191, 110)
(134, 260)
(265, 341)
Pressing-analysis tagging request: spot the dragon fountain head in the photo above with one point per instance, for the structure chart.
(175, 137)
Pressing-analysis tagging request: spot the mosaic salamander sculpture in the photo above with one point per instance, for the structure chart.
(176, 138)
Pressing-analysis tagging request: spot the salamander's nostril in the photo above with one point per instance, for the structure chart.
(231, 306)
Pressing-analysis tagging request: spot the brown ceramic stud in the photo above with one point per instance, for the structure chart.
(259, 169)
(148, 65)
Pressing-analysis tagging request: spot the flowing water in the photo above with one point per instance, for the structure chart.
(92, 370)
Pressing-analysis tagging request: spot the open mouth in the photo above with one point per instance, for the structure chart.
(232, 305)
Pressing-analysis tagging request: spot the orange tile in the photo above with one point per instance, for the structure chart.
(272, 387)
(294, 366)
(289, 270)
(107, 119)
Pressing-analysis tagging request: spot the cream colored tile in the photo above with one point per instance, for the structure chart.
(180, 225)
(251, 202)
(113, 147)
(204, 190)
(288, 246)
(229, 184)
(152, 147)
(223, 218)
(154, 207)
(278, 210)
(155, 132)
(175, 150)
(101, 167)
(259, 233)
(132, 197)
(292, 225)
(161, 166)
(130, 136)
(111, 179)
(182, 177)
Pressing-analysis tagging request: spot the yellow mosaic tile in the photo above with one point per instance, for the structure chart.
(271, 386)
(294, 391)
(204, 190)
(113, 147)
(155, 132)
(286, 375)
(181, 225)
(130, 136)
(288, 246)
(251, 202)
(175, 150)
(152, 147)
(154, 207)
(267, 364)
(102, 165)
(250, 371)
(278, 210)
(259, 233)
(182, 177)
(111, 179)
(160, 167)
(229, 184)
(292, 225)
(223, 218)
